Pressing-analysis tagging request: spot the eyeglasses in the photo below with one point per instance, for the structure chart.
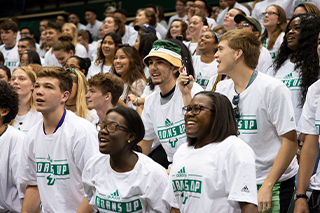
(198, 6)
(195, 110)
(270, 13)
(235, 101)
(110, 127)
(240, 26)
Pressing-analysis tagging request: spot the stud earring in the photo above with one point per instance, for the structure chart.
(128, 141)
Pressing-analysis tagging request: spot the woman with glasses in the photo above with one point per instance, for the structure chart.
(297, 64)
(223, 178)
(77, 101)
(121, 178)
(275, 22)
(79, 63)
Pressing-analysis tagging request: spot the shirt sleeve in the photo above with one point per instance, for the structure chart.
(147, 120)
(88, 185)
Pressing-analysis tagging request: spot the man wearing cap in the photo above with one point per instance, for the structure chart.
(265, 118)
(253, 25)
(162, 115)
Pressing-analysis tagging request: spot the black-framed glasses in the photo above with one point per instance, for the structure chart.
(110, 127)
(240, 26)
(195, 110)
(269, 13)
(235, 101)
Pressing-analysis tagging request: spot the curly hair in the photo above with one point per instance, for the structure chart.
(8, 99)
(306, 57)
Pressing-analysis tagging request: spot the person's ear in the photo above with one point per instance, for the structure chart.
(256, 33)
(65, 96)
(239, 53)
(4, 112)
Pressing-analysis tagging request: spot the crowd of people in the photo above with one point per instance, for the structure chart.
(215, 110)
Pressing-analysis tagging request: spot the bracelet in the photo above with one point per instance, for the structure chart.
(300, 143)
(135, 102)
(297, 196)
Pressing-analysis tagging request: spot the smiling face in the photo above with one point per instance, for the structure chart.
(207, 42)
(225, 56)
(141, 18)
(108, 47)
(161, 71)
(67, 29)
(271, 20)
(175, 29)
(21, 83)
(24, 60)
(51, 36)
(293, 34)
(195, 26)
(48, 96)
(198, 126)
(116, 142)
(109, 25)
(121, 62)
(228, 21)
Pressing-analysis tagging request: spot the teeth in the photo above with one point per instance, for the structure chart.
(155, 74)
(190, 122)
(103, 140)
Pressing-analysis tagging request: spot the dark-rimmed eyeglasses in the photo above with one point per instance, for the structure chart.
(110, 127)
(269, 13)
(195, 110)
(235, 101)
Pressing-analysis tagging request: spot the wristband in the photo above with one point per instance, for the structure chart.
(135, 102)
(297, 196)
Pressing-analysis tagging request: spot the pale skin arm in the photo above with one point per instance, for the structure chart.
(185, 89)
(308, 157)
(146, 146)
(85, 207)
(248, 207)
(285, 155)
(31, 201)
(174, 210)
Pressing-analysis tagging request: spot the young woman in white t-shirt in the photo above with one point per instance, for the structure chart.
(120, 178)
(127, 65)
(177, 28)
(215, 170)
(275, 22)
(105, 54)
(72, 30)
(22, 80)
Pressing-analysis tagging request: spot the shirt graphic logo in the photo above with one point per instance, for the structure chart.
(168, 122)
(290, 81)
(132, 204)
(182, 173)
(52, 170)
(173, 142)
(247, 125)
(201, 80)
(114, 196)
(245, 189)
(171, 132)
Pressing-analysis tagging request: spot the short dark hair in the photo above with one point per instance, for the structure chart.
(84, 63)
(30, 41)
(65, 79)
(134, 124)
(8, 99)
(152, 6)
(52, 25)
(73, 14)
(9, 25)
(5, 68)
(91, 9)
(122, 11)
(224, 123)
(108, 82)
(28, 28)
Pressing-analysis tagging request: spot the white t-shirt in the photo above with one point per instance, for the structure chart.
(136, 89)
(224, 12)
(274, 51)
(25, 122)
(166, 121)
(162, 30)
(211, 22)
(129, 32)
(94, 69)
(81, 26)
(212, 80)
(55, 162)
(80, 51)
(184, 18)
(266, 113)
(203, 71)
(310, 123)
(50, 59)
(261, 7)
(265, 60)
(11, 147)
(139, 190)
(191, 46)
(214, 178)
(11, 56)
(290, 77)
(94, 29)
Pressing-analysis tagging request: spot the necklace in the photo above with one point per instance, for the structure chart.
(70, 105)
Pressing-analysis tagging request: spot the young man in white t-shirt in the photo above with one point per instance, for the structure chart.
(104, 92)
(265, 117)
(162, 115)
(9, 47)
(56, 150)
(181, 12)
(93, 24)
(53, 31)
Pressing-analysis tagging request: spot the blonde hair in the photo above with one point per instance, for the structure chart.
(33, 77)
(74, 32)
(81, 104)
